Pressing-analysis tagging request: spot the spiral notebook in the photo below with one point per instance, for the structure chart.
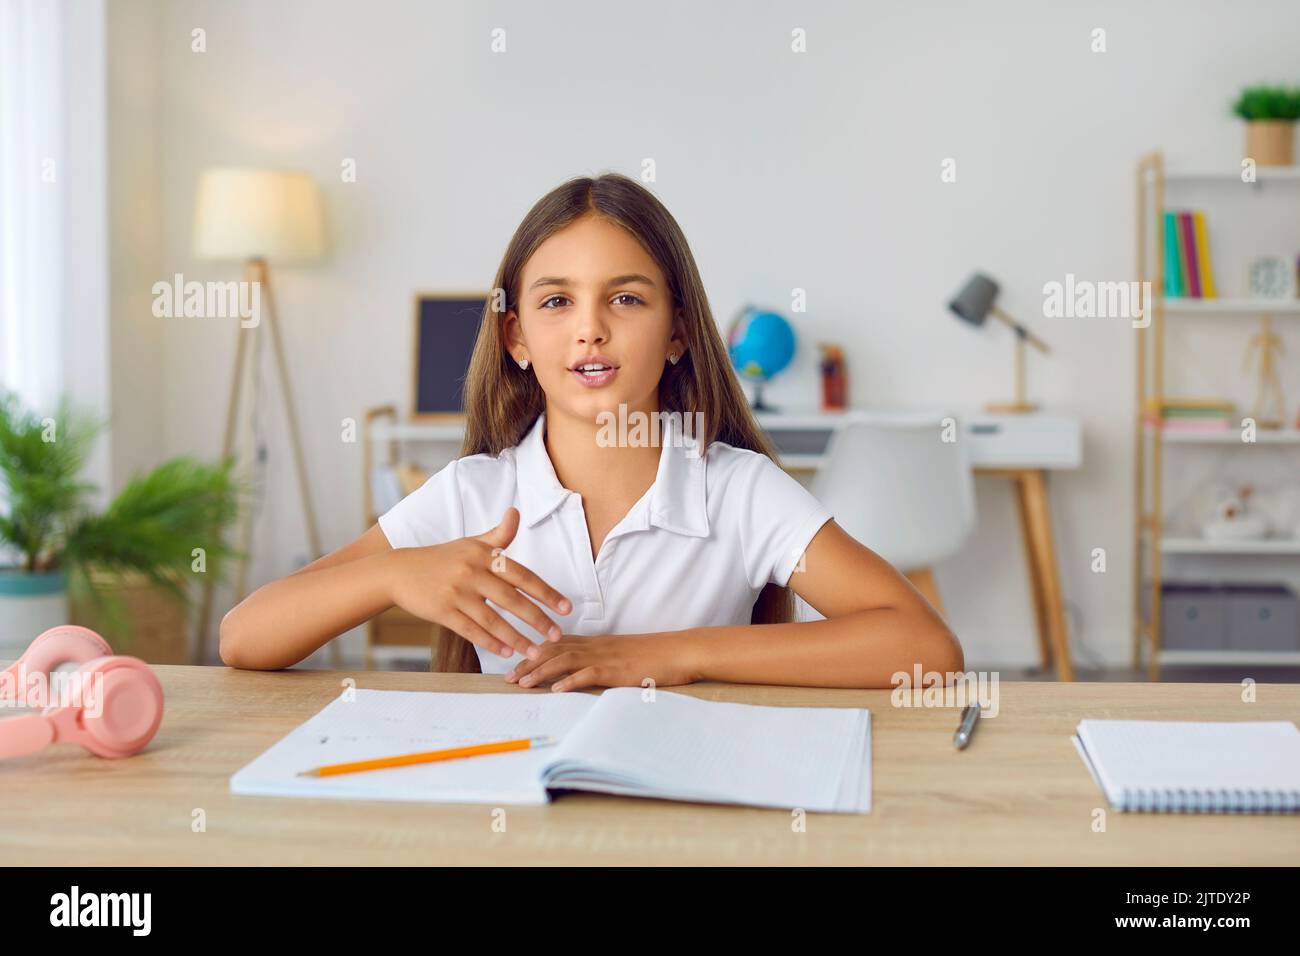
(1194, 767)
(625, 741)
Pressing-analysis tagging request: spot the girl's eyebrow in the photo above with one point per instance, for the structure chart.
(617, 280)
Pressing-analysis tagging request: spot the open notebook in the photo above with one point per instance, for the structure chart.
(1194, 767)
(674, 747)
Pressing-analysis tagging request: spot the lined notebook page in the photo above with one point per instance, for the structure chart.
(679, 747)
(383, 723)
(1213, 764)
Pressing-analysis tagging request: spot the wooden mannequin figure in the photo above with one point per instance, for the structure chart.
(1270, 405)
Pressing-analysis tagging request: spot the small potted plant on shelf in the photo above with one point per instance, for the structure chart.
(55, 547)
(1270, 113)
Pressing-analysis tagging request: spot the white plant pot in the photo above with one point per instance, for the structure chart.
(29, 605)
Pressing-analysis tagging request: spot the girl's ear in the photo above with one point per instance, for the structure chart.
(511, 331)
(677, 343)
(513, 335)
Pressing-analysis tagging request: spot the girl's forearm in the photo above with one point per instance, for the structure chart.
(285, 621)
(862, 649)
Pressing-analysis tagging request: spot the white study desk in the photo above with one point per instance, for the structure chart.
(1019, 447)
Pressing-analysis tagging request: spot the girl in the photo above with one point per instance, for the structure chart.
(572, 545)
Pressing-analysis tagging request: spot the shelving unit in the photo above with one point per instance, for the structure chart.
(1247, 307)
(1152, 543)
(396, 634)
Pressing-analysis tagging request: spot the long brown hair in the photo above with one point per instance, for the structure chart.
(502, 401)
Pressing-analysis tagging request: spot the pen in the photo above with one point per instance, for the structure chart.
(967, 726)
(428, 756)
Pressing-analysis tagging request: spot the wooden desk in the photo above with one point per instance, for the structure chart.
(1018, 795)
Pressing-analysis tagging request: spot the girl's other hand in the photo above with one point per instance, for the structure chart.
(449, 584)
(610, 660)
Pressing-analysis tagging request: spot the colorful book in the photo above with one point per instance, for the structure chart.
(1203, 256)
(1173, 271)
(1215, 426)
(1174, 415)
(1186, 425)
(1187, 245)
(1170, 402)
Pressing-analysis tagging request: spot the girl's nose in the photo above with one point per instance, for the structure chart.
(592, 328)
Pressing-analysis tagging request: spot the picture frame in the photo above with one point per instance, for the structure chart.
(1270, 277)
(444, 328)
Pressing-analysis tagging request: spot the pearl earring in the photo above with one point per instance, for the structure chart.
(673, 357)
(523, 363)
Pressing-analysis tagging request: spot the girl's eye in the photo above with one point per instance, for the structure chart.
(635, 300)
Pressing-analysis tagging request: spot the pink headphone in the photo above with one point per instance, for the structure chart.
(120, 717)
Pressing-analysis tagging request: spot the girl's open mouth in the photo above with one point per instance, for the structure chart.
(594, 375)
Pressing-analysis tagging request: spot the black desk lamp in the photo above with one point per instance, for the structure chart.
(974, 303)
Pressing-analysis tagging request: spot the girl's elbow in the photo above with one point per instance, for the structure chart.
(947, 654)
(234, 645)
(938, 649)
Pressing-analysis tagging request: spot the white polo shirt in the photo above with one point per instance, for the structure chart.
(694, 551)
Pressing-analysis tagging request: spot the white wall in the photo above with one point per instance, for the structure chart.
(135, 250)
(819, 171)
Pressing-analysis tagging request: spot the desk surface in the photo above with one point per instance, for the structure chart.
(996, 441)
(1018, 795)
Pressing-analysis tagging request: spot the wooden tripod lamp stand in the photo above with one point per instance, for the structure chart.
(974, 303)
(256, 215)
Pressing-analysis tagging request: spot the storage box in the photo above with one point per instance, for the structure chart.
(1192, 616)
(1262, 617)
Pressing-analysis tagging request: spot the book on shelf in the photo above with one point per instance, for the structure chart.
(1203, 256)
(1173, 273)
(1188, 414)
(1187, 256)
(1187, 246)
(1188, 425)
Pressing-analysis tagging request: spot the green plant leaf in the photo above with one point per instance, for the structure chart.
(156, 527)
(1268, 103)
(40, 465)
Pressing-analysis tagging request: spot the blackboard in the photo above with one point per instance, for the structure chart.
(446, 326)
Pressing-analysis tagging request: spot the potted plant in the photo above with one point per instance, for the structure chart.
(1270, 113)
(163, 527)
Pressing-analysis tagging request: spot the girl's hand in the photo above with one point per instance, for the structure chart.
(622, 660)
(450, 583)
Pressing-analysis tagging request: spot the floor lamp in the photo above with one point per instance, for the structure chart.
(254, 216)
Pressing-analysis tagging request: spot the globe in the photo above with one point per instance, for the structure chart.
(761, 344)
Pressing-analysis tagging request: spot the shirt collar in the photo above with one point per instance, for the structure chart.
(676, 500)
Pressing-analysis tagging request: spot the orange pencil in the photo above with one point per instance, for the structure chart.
(428, 756)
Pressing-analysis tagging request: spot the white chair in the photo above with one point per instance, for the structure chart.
(894, 484)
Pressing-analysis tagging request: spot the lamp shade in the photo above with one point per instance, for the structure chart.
(975, 299)
(258, 214)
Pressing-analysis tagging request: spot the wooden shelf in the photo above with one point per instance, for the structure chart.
(1228, 657)
(1229, 175)
(417, 431)
(1266, 546)
(1154, 178)
(1182, 305)
(1228, 436)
